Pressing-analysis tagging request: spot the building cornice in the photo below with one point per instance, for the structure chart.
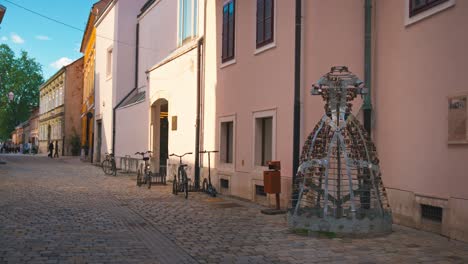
(107, 9)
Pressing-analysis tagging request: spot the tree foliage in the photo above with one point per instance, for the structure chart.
(21, 75)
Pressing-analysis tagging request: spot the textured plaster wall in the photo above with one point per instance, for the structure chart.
(73, 100)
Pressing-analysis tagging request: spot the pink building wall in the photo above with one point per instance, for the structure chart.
(416, 68)
(256, 82)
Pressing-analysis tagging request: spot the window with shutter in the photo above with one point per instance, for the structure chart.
(228, 36)
(265, 22)
(418, 6)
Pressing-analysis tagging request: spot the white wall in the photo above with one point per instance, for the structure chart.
(176, 82)
(104, 91)
(132, 129)
(157, 39)
(158, 36)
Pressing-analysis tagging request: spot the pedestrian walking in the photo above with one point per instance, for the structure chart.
(56, 155)
(51, 149)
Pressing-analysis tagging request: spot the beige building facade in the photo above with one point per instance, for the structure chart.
(60, 106)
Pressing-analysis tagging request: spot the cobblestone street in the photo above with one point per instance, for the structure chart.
(65, 211)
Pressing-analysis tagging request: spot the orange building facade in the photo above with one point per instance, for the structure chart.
(87, 107)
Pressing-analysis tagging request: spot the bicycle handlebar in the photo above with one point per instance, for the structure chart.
(179, 156)
(209, 151)
(143, 153)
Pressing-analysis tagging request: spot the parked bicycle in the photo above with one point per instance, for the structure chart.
(144, 175)
(207, 186)
(181, 181)
(108, 164)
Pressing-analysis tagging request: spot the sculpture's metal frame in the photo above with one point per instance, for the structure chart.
(338, 179)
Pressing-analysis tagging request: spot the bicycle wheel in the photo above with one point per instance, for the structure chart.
(185, 183)
(149, 178)
(174, 186)
(107, 167)
(213, 192)
(205, 185)
(139, 178)
(114, 167)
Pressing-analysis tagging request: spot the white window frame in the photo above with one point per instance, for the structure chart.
(427, 13)
(227, 166)
(262, 114)
(194, 31)
(269, 45)
(109, 62)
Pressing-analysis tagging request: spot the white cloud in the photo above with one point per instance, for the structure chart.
(42, 37)
(4, 38)
(61, 62)
(16, 38)
(77, 47)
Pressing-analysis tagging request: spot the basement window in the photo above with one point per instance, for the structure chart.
(224, 183)
(260, 190)
(433, 213)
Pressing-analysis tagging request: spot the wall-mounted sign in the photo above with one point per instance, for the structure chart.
(174, 123)
(457, 114)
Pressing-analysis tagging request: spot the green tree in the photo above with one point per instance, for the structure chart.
(21, 75)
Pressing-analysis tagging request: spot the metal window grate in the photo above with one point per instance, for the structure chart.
(224, 183)
(430, 212)
(260, 190)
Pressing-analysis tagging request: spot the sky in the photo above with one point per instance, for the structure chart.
(52, 45)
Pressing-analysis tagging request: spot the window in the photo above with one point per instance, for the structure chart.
(187, 20)
(418, 6)
(56, 93)
(226, 150)
(228, 30)
(265, 22)
(109, 63)
(263, 140)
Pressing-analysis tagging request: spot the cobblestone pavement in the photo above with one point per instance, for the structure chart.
(65, 211)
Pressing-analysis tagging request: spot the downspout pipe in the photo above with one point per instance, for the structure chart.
(297, 98)
(197, 125)
(367, 107)
(114, 110)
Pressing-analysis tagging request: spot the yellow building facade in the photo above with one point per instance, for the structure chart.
(87, 108)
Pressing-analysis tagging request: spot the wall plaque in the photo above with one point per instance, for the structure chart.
(457, 113)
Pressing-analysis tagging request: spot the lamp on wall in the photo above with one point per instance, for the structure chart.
(2, 12)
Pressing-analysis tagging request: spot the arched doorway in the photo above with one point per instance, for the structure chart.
(160, 134)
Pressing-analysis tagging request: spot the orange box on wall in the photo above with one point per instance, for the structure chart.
(272, 181)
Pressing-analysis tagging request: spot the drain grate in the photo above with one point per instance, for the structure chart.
(430, 212)
(226, 205)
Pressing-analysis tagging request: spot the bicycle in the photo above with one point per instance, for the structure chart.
(180, 182)
(108, 164)
(146, 171)
(207, 186)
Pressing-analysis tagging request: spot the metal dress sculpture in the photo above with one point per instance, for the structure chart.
(338, 181)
